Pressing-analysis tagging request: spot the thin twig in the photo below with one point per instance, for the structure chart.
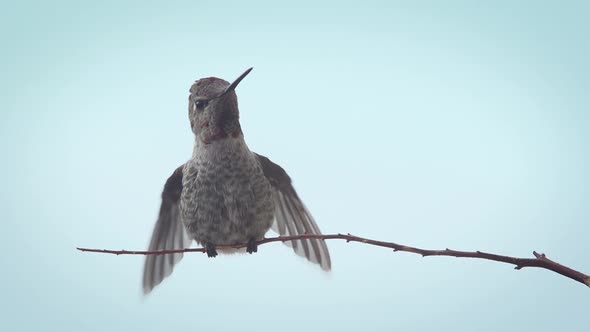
(540, 260)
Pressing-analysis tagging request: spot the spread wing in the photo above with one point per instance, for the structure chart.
(292, 217)
(169, 233)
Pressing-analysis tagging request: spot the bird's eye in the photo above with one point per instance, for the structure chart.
(201, 104)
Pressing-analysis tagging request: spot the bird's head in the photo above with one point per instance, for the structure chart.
(213, 109)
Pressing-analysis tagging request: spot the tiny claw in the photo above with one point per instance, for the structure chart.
(210, 250)
(252, 246)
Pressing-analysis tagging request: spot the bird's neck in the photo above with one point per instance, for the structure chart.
(220, 149)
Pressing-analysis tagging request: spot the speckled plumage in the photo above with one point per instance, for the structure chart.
(225, 198)
(225, 194)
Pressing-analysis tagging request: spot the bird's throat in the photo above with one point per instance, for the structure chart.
(213, 135)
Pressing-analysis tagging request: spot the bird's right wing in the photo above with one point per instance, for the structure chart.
(169, 233)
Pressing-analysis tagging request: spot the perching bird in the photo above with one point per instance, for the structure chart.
(225, 194)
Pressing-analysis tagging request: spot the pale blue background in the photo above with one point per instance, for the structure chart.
(435, 124)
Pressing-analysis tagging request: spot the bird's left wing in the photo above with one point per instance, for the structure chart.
(292, 217)
(169, 233)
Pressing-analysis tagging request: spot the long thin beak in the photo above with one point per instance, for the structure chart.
(236, 82)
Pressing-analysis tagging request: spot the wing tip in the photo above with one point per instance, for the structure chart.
(146, 290)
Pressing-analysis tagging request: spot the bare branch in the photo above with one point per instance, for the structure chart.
(540, 260)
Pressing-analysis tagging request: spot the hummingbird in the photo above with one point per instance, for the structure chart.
(226, 194)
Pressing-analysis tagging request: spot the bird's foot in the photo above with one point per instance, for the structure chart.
(252, 246)
(211, 252)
